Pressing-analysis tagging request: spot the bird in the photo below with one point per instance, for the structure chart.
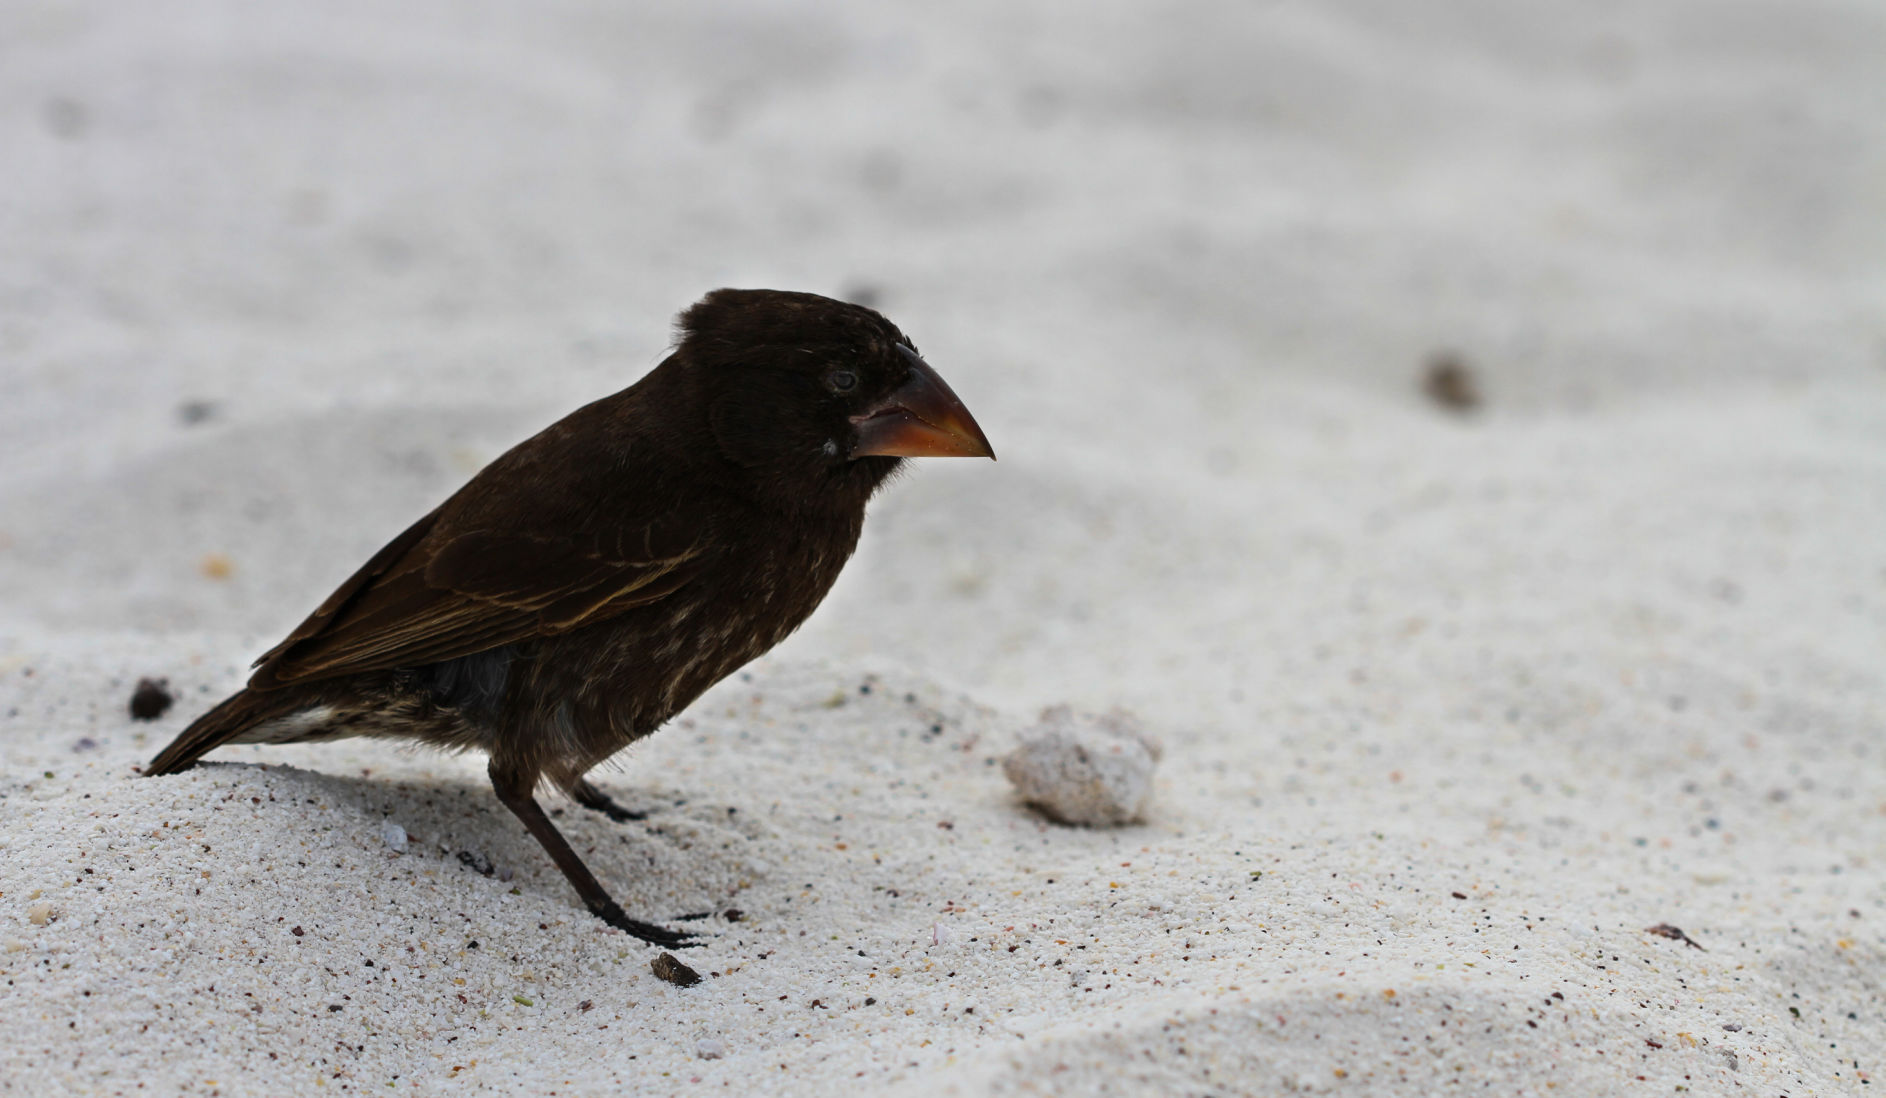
(590, 583)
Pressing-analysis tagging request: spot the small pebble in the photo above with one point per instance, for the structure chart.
(1094, 771)
(1449, 382)
(394, 836)
(39, 914)
(710, 1050)
(666, 967)
(193, 412)
(151, 698)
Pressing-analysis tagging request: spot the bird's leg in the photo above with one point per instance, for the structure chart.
(514, 788)
(596, 800)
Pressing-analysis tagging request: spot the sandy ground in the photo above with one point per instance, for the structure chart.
(1455, 706)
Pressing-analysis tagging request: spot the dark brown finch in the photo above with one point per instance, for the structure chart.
(592, 582)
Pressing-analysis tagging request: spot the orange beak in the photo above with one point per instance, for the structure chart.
(922, 418)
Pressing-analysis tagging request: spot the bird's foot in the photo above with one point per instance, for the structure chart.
(613, 914)
(618, 813)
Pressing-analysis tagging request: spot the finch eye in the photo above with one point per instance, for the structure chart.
(842, 381)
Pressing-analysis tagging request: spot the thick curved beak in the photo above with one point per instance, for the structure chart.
(922, 418)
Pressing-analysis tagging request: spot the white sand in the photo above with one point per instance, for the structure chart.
(1453, 709)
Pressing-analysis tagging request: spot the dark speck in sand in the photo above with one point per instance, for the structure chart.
(1665, 930)
(193, 412)
(1449, 382)
(666, 967)
(151, 698)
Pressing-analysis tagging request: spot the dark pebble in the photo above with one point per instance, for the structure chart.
(151, 698)
(193, 412)
(666, 967)
(1449, 383)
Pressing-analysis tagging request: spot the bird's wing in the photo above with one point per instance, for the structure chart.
(434, 595)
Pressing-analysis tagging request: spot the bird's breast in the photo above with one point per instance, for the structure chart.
(616, 681)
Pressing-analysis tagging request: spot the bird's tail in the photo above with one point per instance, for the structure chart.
(239, 713)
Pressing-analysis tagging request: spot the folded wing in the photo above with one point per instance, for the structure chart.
(433, 594)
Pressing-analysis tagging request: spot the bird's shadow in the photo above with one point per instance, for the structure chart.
(656, 867)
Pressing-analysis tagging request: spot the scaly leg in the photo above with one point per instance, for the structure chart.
(514, 789)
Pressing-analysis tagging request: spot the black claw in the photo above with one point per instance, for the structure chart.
(647, 932)
(596, 800)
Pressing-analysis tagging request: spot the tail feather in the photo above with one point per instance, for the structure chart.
(226, 723)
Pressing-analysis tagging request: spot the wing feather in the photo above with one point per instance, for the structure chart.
(432, 595)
